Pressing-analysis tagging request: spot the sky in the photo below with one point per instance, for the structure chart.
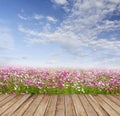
(60, 33)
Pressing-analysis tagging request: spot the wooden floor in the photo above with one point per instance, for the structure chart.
(59, 105)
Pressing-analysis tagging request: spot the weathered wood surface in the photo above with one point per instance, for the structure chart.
(59, 105)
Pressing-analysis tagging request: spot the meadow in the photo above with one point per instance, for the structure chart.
(20, 80)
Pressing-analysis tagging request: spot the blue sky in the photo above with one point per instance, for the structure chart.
(62, 33)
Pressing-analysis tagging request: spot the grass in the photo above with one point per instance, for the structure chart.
(70, 89)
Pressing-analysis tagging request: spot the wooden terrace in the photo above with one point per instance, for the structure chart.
(59, 105)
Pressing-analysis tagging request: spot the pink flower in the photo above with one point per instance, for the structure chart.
(50, 84)
(61, 84)
(4, 84)
(13, 93)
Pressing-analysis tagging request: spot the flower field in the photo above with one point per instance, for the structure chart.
(58, 81)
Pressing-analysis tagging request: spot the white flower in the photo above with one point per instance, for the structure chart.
(83, 90)
(78, 87)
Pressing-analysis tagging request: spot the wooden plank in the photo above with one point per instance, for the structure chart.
(114, 99)
(117, 96)
(8, 104)
(69, 106)
(42, 106)
(51, 106)
(96, 106)
(88, 108)
(3, 96)
(80, 111)
(24, 106)
(16, 105)
(6, 100)
(106, 107)
(30, 111)
(112, 104)
(60, 106)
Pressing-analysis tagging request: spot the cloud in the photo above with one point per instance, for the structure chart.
(32, 41)
(9, 59)
(22, 17)
(34, 16)
(12, 57)
(6, 39)
(55, 54)
(88, 28)
(38, 16)
(60, 2)
(115, 1)
(52, 62)
(49, 18)
(27, 31)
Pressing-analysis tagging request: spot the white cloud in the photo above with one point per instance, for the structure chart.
(9, 59)
(31, 41)
(22, 17)
(28, 31)
(6, 42)
(60, 2)
(52, 62)
(81, 33)
(115, 1)
(6, 39)
(49, 18)
(55, 54)
(34, 16)
(38, 16)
